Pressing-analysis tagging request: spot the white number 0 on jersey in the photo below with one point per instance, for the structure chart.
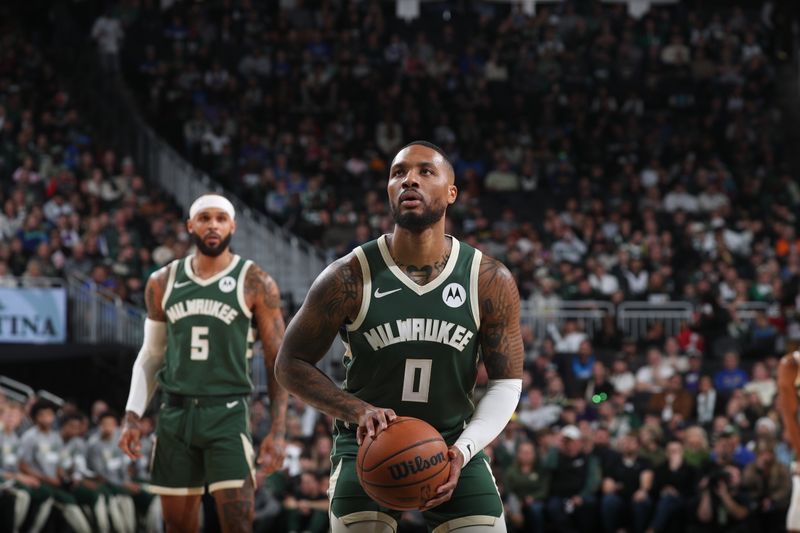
(420, 392)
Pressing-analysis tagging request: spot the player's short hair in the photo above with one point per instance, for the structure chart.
(433, 147)
(40, 405)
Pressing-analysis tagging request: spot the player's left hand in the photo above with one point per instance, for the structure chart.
(271, 454)
(445, 492)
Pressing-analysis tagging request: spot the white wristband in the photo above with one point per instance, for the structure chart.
(490, 417)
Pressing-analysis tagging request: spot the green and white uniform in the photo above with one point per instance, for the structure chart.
(414, 349)
(203, 434)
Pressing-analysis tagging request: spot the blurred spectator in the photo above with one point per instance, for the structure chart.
(762, 383)
(673, 401)
(307, 506)
(674, 485)
(724, 503)
(623, 379)
(653, 376)
(575, 478)
(537, 415)
(627, 482)
(769, 486)
(708, 405)
(529, 481)
(730, 377)
(695, 445)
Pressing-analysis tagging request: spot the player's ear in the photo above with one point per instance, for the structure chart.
(189, 226)
(452, 194)
(233, 226)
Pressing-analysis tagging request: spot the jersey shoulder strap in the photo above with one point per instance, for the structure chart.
(172, 269)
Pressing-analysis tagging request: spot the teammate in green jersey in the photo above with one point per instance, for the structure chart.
(197, 341)
(416, 310)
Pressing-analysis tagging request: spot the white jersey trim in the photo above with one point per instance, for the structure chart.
(408, 282)
(171, 491)
(187, 267)
(173, 269)
(240, 289)
(474, 274)
(366, 289)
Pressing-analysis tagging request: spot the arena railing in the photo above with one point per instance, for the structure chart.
(97, 315)
(589, 315)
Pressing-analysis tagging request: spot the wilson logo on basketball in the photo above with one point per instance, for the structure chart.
(406, 468)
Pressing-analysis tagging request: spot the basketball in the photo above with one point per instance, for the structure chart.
(404, 465)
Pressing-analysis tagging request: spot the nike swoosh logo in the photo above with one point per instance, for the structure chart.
(379, 294)
(179, 285)
(229, 405)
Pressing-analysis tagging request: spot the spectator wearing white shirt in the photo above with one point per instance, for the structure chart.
(622, 378)
(762, 384)
(108, 33)
(603, 282)
(653, 376)
(680, 199)
(713, 199)
(535, 414)
(570, 340)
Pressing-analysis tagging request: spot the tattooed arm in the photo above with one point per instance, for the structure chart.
(500, 338)
(264, 298)
(149, 360)
(501, 344)
(333, 300)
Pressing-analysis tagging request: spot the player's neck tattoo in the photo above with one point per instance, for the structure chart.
(425, 273)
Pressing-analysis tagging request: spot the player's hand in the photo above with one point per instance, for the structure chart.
(130, 440)
(271, 454)
(372, 421)
(445, 492)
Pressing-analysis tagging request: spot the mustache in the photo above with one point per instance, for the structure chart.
(410, 194)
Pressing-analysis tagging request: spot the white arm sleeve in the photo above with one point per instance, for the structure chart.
(149, 360)
(491, 416)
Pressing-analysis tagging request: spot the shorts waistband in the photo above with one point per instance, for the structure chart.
(179, 400)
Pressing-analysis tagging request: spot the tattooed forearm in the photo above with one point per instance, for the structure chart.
(500, 337)
(334, 299)
(263, 296)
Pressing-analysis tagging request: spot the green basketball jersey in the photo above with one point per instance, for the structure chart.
(209, 334)
(414, 348)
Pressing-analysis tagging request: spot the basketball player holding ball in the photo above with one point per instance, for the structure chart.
(414, 309)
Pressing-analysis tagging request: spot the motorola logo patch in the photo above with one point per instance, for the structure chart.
(454, 295)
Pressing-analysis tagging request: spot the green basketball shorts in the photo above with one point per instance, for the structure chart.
(475, 496)
(201, 440)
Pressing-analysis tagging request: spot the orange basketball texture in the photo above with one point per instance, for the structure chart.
(402, 468)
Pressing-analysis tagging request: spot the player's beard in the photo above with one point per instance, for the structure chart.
(211, 251)
(417, 222)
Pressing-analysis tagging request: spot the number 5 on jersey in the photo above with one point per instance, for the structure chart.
(199, 351)
(417, 380)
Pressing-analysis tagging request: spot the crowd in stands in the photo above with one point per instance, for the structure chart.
(643, 155)
(68, 204)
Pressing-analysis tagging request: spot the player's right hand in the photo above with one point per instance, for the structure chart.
(130, 440)
(372, 421)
